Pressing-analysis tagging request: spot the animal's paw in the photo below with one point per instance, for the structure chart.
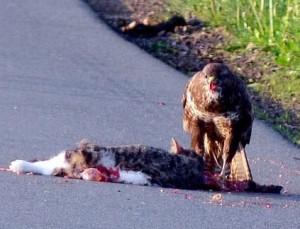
(18, 166)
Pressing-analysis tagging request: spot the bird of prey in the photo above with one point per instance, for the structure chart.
(218, 115)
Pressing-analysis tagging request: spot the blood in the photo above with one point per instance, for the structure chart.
(109, 174)
(4, 169)
(284, 167)
(213, 86)
(214, 182)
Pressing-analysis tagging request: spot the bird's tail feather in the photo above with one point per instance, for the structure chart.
(240, 169)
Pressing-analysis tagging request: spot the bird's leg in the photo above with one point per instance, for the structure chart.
(197, 141)
(230, 147)
(223, 174)
(225, 156)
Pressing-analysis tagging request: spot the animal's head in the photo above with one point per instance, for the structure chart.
(217, 77)
(84, 156)
(77, 159)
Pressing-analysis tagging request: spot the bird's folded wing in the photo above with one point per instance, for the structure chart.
(240, 169)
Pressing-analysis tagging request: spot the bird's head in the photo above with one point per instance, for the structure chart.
(216, 77)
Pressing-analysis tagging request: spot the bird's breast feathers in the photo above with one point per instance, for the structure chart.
(201, 113)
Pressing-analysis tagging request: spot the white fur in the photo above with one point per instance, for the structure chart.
(133, 177)
(46, 167)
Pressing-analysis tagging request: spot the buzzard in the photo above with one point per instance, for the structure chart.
(218, 115)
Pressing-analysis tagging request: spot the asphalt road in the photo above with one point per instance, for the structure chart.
(64, 76)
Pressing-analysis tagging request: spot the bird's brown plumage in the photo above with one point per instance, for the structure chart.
(217, 113)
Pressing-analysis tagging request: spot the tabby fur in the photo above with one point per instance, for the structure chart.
(175, 170)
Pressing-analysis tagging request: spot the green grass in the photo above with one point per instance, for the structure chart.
(284, 88)
(271, 24)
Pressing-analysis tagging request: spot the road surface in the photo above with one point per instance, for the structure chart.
(65, 76)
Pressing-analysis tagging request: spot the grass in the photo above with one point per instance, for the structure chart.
(271, 26)
(284, 88)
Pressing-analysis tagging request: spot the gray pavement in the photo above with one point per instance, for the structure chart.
(64, 76)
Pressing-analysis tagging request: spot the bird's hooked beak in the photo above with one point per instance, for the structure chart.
(211, 78)
(212, 83)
